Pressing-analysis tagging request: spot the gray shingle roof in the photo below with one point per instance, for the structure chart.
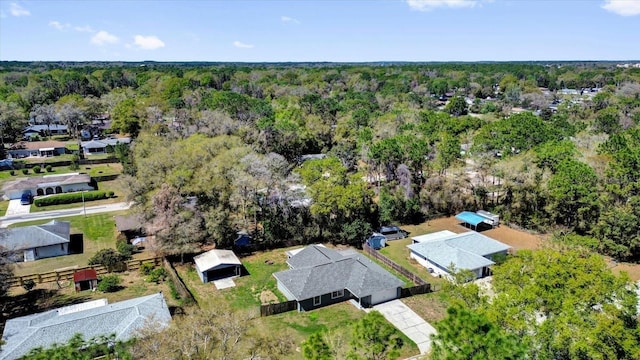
(91, 319)
(29, 237)
(465, 251)
(319, 271)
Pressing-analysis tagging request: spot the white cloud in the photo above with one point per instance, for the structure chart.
(85, 28)
(288, 19)
(622, 7)
(102, 37)
(17, 10)
(427, 5)
(59, 26)
(148, 42)
(242, 45)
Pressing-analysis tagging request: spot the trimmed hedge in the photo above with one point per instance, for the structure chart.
(71, 198)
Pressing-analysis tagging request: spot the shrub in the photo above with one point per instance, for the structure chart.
(109, 283)
(108, 258)
(37, 169)
(28, 284)
(110, 194)
(49, 168)
(70, 198)
(124, 248)
(75, 162)
(25, 171)
(157, 275)
(12, 172)
(147, 268)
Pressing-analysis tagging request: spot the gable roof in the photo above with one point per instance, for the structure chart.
(36, 145)
(214, 258)
(90, 319)
(29, 237)
(327, 271)
(465, 251)
(48, 180)
(83, 275)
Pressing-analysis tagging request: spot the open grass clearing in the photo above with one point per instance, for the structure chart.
(99, 232)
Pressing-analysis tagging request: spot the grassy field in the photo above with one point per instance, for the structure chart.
(99, 233)
(92, 170)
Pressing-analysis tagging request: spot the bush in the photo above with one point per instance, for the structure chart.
(49, 168)
(124, 248)
(25, 171)
(12, 172)
(109, 283)
(71, 198)
(157, 275)
(147, 268)
(110, 194)
(75, 162)
(37, 169)
(108, 258)
(28, 284)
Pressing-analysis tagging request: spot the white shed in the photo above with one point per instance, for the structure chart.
(217, 264)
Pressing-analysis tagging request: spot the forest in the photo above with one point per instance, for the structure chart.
(311, 153)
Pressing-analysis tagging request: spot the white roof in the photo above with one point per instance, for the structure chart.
(214, 258)
(433, 236)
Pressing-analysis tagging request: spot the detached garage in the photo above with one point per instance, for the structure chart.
(217, 264)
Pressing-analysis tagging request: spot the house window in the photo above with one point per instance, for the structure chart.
(316, 300)
(337, 294)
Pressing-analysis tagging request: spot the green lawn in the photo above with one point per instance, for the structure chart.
(92, 170)
(3, 207)
(99, 233)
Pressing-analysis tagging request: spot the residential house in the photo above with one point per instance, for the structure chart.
(131, 226)
(469, 251)
(90, 319)
(45, 130)
(47, 185)
(35, 242)
(36, 149)
(319, 276)
(217, 264)
(100, 146)
(86, 279)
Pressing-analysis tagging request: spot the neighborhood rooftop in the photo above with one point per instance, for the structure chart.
(215, 257)
(36, 236)
(327, 271)
(43, 181)
(90, 319)
(465, 251)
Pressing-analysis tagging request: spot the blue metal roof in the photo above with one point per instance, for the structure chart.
(470, 218)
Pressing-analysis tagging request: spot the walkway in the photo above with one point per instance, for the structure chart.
(5, 221)
(16, 208)
(407, 321)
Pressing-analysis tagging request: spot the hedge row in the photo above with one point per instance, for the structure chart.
(74, 197)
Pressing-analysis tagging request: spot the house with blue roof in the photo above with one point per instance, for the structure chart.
(319, 276)
(472, 251)
(89, 319)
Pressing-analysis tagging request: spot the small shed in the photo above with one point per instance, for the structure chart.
(86, 279)
(217, 264)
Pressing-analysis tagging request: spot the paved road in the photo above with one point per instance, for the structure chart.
(45, 215)
(407, 321)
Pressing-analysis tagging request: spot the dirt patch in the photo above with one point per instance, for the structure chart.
(633, 270)
(268, 297)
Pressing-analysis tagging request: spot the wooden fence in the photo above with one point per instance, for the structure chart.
(392, 264)
(181, 288)
(415, 290)
(67, 274)
(272, 309)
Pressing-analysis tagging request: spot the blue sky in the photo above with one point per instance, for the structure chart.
(329, 30)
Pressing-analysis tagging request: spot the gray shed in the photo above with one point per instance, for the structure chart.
(217, 264)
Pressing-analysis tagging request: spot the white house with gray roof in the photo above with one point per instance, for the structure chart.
(47, 185)
(31, 243)
(217, 264)
(100, 146)
(90, 319)
(469, 251)
(319, 276)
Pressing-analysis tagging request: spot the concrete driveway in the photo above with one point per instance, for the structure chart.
(15, 208)
(407, 321)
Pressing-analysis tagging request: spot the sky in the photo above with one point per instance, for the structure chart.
(327, 30)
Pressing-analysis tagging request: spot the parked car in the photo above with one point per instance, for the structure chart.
(26, 198)
(392, 232)
(377, 241)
